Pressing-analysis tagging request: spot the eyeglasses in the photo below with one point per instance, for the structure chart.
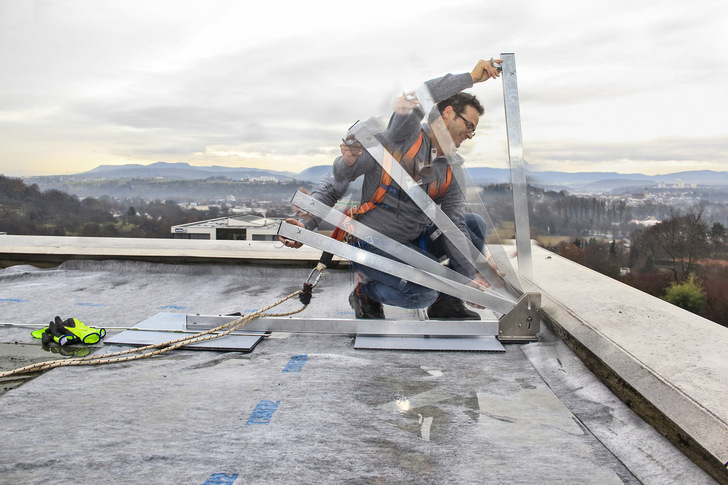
(468, 125)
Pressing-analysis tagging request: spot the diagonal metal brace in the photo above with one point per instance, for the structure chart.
(404, 271)
(400, 251)
(371, 143)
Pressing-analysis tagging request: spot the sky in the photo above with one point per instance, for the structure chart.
(626, 86)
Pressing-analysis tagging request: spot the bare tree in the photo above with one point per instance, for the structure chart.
(682, 238)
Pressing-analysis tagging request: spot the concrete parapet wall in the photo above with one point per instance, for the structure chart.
(62, 248)
(666, 363)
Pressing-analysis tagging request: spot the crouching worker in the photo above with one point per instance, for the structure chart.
(387, 209)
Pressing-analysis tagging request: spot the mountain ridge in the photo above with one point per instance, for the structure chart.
(479, 175)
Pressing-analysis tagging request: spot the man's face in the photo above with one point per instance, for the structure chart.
(461, 126)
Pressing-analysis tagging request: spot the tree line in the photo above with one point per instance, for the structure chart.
(180, 190)
(553, 213)
(26, 210)
(683, 259)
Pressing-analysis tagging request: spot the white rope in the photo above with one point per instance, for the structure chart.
(140, 352)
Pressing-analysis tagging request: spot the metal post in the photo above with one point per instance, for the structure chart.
(518, 172)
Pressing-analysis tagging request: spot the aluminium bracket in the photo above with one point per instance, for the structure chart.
(523, 322)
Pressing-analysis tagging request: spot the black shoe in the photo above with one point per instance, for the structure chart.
(450, 309)
(365, 307)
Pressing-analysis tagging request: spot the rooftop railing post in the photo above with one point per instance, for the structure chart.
(518, 171)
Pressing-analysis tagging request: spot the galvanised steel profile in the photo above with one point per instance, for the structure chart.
(400, 327)
(518, 171)
(364, 135)
(395, 268)
(400, 251)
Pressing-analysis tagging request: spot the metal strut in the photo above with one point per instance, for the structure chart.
(518, 171)
(364, 135)
(400, 251)
(520, 321)
(390, 266)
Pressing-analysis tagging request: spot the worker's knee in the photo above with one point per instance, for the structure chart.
(477, 228)
(416, 296)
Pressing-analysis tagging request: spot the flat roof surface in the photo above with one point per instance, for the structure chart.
(532, 414)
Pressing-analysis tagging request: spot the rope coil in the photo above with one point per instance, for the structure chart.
(163, 347)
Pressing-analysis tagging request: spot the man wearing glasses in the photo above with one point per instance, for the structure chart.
(421, 149)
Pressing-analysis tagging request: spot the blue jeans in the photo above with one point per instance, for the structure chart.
(394, 291)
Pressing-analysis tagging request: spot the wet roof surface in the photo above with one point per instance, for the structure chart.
(299, 407)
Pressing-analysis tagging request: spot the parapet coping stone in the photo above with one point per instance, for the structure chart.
(666, 363)
(161, 249)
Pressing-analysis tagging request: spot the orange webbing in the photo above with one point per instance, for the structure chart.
(386, 180)
(437, 190)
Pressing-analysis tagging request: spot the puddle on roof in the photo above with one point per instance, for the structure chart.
(17, 355)
(432, 371)
(425, 422)
(14, 356)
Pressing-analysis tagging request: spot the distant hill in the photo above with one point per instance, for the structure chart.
(574, 182)
(588, 181)
(583, 178)
(182, 171)
(601, 181)
(610, 181)
(485, 175)
(314, 174)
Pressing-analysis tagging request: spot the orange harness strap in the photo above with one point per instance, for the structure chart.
(386, 180)
(340, 234)
(437, 189)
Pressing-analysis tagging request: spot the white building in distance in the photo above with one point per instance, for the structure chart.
(249, 227)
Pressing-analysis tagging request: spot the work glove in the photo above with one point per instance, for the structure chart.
(69, 332)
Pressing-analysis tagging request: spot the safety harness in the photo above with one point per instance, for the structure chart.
(436, 190)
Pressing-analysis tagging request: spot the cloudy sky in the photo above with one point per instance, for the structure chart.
(627, 86)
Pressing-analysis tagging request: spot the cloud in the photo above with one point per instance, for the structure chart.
(86, 82)
(647, 156)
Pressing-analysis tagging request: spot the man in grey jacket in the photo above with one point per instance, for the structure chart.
(422, 154)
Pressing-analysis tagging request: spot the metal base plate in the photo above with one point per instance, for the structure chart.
(177, 321)
(483, 344)
(472, 335)
(398, 327)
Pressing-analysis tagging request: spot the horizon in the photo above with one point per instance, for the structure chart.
(529, 167)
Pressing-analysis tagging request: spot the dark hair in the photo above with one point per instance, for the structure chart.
(458, 102)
